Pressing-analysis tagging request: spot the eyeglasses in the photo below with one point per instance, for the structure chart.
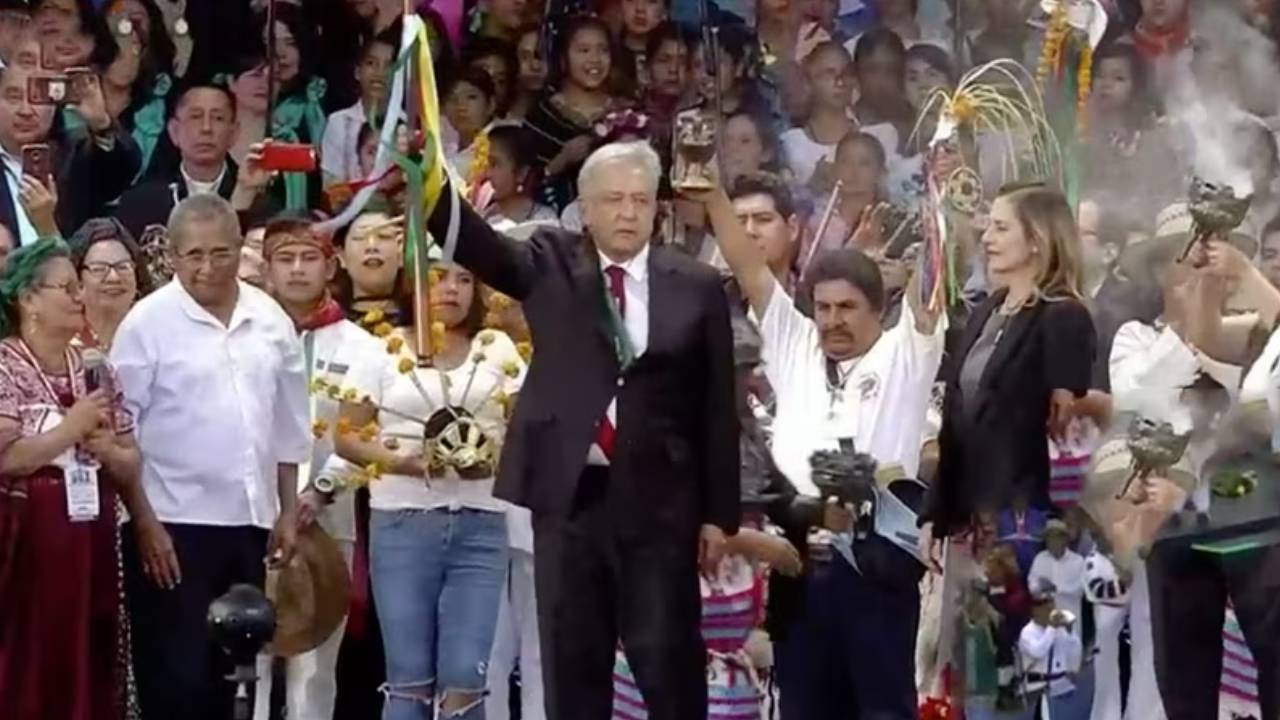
(100, 270)
(217, 258)
(71, 288)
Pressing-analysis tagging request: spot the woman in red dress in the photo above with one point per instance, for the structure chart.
(66, 454)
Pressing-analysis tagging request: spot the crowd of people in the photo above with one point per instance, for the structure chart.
(578, 463)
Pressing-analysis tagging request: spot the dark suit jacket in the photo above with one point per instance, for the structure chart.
(151, 202)
(88, 178)
(1002, 448)
(676, 453)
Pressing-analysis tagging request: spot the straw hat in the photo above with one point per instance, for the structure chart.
(310, 594)
(1174, 226)
(1056, 527)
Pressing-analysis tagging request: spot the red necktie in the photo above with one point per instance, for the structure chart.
(606, 434)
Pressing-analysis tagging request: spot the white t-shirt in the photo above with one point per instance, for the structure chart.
(474, 387)
(803, 153)
(881, 406)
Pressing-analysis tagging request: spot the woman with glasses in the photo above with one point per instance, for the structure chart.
(110, 267)
(66, 453)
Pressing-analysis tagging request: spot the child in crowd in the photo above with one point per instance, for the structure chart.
(511, 178)
(469, 106)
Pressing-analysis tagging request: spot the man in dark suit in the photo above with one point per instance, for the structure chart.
(90, 166)
(203, 128)
(624, 442)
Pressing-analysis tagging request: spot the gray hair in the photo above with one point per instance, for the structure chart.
(202, 207)
(636, 152)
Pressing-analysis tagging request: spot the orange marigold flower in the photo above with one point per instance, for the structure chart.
(511, 368)
(394, 344)
(406, 366)
(319, 428)
(383, 329)
(525, 349)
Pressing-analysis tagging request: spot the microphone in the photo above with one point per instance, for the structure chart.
(95, 369)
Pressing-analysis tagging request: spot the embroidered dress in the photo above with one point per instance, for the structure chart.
(63, 646)
(732, 606)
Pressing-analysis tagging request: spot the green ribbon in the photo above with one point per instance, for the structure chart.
(149, 121)
(622, 345)
(288, 117)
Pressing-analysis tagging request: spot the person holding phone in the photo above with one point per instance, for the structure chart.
(88, 167)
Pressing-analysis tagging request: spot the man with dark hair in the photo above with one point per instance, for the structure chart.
(203, 128)
(766, 210)
(340, 148)
(846, 632)
(90, 167)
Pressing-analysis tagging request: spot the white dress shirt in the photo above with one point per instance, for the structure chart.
(27, 233)
(340, 149)
(343, 355)
(217, 407)
(635, 288)
(882, 403)
(1036, 643)
(1066, 574)
(197, 187)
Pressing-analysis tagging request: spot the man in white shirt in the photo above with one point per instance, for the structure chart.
(1060, 568)
(1050, 656)
(300, 265)
(340, 148)
(839, 377)
(214, 373)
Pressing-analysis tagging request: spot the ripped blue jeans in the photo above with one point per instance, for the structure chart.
(438, 577)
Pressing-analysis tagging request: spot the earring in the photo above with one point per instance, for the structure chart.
(520, 188)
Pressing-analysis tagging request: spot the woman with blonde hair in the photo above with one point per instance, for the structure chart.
(1022, 361)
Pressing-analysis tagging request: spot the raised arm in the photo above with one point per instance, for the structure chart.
(503, 264)
(742, 256)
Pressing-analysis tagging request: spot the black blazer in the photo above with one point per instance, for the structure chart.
(88, 178)
(1002, 449)
(676, 452)
(151, 202)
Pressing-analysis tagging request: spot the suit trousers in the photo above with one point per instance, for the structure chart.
(180, 672)
(1189, 593)
(598, 584)
(849, 651)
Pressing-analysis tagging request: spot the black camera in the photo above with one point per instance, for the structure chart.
(242, 622)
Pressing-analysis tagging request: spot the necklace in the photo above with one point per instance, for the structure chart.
(837, 379)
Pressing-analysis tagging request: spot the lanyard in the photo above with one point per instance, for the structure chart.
(25, 353)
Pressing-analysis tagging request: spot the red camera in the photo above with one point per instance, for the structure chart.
(288, 157)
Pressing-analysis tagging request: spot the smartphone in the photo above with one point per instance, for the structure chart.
(47, 89)
(37, 161)
(78, 79)
(288, 157)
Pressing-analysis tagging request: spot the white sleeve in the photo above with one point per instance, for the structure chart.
(923, 351)
(787, 337)
(291, 424)
(332, 159)
(1039, 572)
(1142, 360)
(134, 366)
(1035, 641)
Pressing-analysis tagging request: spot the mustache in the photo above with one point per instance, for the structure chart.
(838, 332)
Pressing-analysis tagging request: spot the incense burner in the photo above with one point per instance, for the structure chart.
(454, 439)
(1155, 448)
(1216, 208)
(695, 152)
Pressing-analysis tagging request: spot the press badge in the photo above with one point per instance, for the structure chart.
(81, 482)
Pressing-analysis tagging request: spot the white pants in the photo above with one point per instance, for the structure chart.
(311, 681)
(516, 637)
(1144, 695)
